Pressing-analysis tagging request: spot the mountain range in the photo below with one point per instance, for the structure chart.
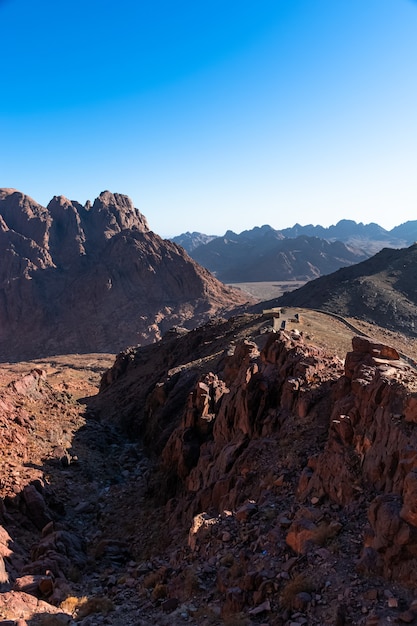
(297, 253)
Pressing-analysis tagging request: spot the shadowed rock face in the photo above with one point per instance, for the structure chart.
(93, 278)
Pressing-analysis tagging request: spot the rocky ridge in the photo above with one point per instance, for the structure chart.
(277, 486)
(93, 278)
(369, 238)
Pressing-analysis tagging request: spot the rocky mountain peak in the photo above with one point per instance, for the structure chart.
(121, 208)
(25, 216)
(93, 278)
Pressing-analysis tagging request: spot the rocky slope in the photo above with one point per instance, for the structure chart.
(92, 278)
(382, 290)
(288, 473)
(265, 481)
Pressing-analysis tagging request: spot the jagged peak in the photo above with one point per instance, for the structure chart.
(121, 205)
(61, 201)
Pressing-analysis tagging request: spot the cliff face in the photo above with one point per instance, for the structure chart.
(93, 278)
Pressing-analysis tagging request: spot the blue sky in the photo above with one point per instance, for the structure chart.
(214, 115)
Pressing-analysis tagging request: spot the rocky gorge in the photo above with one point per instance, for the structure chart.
(230, 474)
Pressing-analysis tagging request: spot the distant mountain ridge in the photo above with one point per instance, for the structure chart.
(273, 257)
(190, 241)
(296, 253)
(94, 278)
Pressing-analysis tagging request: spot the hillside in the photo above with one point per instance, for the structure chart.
(93, 278)
(380, 290)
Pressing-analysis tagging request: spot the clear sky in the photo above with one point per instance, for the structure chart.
(214, 114)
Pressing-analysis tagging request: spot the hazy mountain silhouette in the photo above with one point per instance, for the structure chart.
(296, 253)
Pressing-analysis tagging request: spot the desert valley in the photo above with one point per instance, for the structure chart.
(175, 450)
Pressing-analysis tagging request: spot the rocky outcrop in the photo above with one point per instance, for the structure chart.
(33, 581)
(227, 417)
(93, 278)
(283, 464)
(372, 449)
(25, 216)
(67, 236)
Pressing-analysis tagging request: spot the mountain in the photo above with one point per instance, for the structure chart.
(236, 258)
(381, 290)
(264, 254)
(190, 241)
(93, 278)
(370, 238)
(406, 231)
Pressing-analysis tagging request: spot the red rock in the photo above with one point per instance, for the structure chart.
(407, 617)
(301, 536)
(410, 409)
(409, 509)
(29, 384)
(201, 526)
(4, 577)
(361, 344)
(40, 586)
